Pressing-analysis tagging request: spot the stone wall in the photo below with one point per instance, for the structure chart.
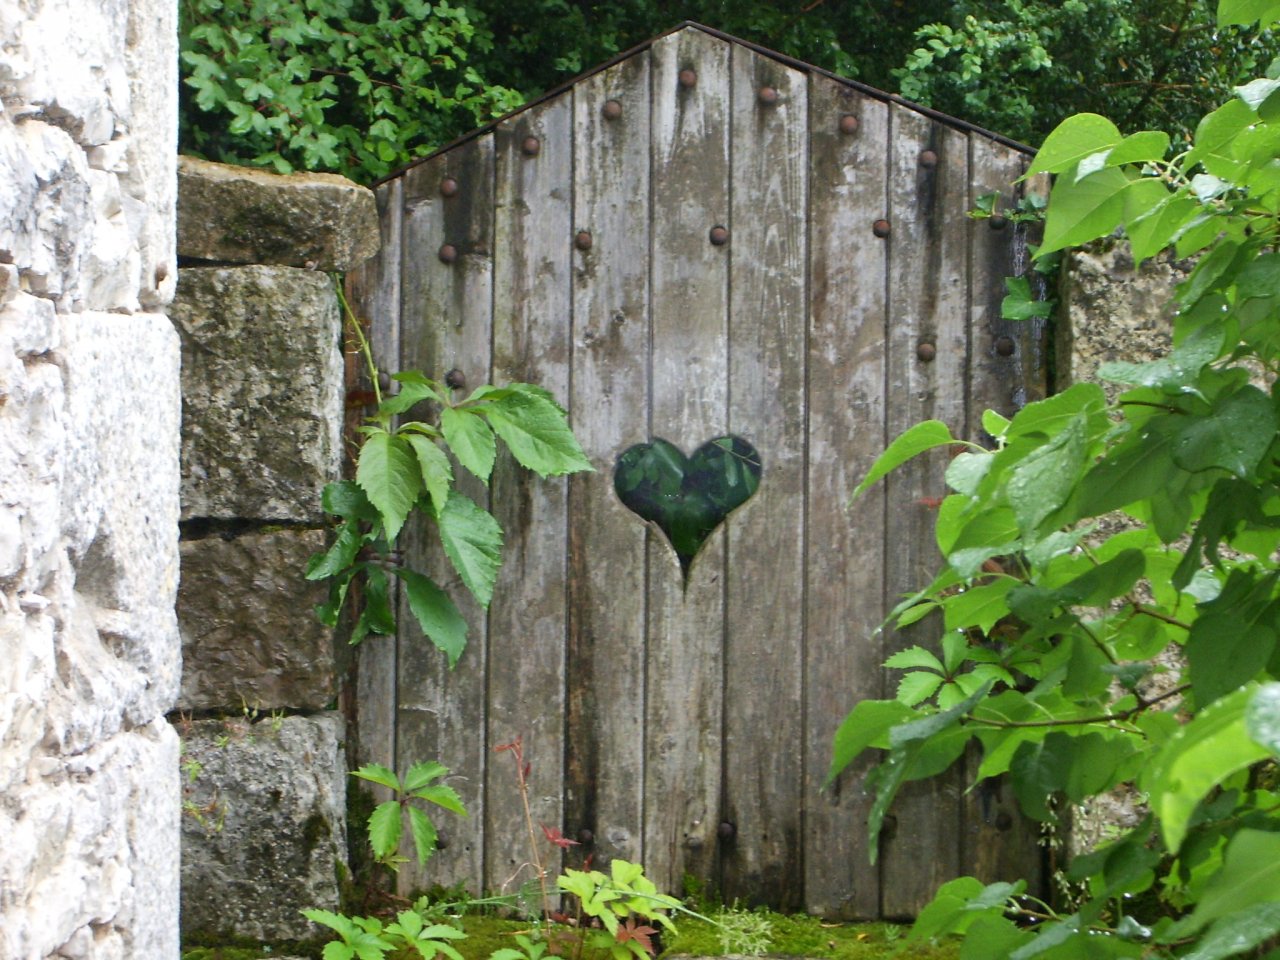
(89, 407)
(262, 387)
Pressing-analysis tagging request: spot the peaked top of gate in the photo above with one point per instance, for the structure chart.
(781, 58)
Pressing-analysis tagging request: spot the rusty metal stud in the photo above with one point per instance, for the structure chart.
(767, 95)
(384, 380)
(1005, 346)
(1003, 820)
(448, 187)
(448, 253)
(585, 836)
(726, 831)
(531, 146)
(848, 124)
(718, 236)
(688, 78)
(442, 841)
(928, 159)
(583, 240)
(612, 109)
(455, 379)
(880, 228)
(925, 352)
(998, 222)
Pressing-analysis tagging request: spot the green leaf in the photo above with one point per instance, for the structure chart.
(537, 434)
(472, 540)
(384, 829)
(917, 686)
(1233, 637)
(1262, 717)
(1020, 303)
(1246, 12)
(1198, 757)
(376, 773)
(442, 796)
(1239, 933)
(436, 614)
(1233, 436)
(437, 472)
(1250, 875)
(470, 439)
(914, 657)
(1084, 211)
(421, 774)
(915, 441)
(1042, 481)
(388, 474)
(1071, 141)
(979, 606)
(345, 499)
(1139, 147)
(867, 725)
(339, 556)
(424, 834)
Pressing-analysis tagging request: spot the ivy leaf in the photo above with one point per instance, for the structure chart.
(915, 441)
(436, 614)
(914, 657)
(376, 773)
(424, 834)
(470, 439)
(338, 557)
(472, 541)
(384, 829)
(534, 428)
(388, 474)
(1020, 304)
(442, 796)
(917, 686)
(437, 472)
(421, 774)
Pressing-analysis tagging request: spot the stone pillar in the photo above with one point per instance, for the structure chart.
(262, 379)
(89, 409)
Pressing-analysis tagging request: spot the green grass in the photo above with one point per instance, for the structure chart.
(789, 936)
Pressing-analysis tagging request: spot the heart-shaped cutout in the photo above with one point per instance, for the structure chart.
(687, 497)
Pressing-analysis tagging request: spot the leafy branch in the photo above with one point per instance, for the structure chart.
(405, 470)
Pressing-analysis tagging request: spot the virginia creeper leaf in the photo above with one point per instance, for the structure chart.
(388, 474)
(472, 541)
(535, 430)
(470, 439)
(436, 614)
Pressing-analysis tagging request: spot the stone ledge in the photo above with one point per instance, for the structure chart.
(245, 215)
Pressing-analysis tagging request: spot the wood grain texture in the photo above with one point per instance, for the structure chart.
(928, 303)
(690, 302)
(374, 294)
(604, 748)
(845, 594)
(531, 308)
(447, 312)
(1007, 372)
(764, 718)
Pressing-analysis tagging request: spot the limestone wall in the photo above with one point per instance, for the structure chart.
(263, 394)
(89, 411)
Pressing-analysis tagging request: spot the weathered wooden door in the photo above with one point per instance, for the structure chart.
(698, 241)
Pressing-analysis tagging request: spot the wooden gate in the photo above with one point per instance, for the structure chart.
(701, 240)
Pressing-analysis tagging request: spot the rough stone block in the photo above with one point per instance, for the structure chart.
(242, 215)
(273, 799)
(89, 867)
(262, 391)
(249, 636)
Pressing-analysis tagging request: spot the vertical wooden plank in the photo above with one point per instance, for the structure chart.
(532, 236)
(1008, 355)
(604, 746)
(928, 304)
(845, 576)
(374, 294)
(1007, 372)
(690, 169)
(447, 312)
(765, 627)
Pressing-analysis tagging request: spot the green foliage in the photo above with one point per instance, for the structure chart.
(369, 938)
(402, 470)
(1021, 67)
(1053, 633)
(355, 86)
(619, 901)
(387, 820)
